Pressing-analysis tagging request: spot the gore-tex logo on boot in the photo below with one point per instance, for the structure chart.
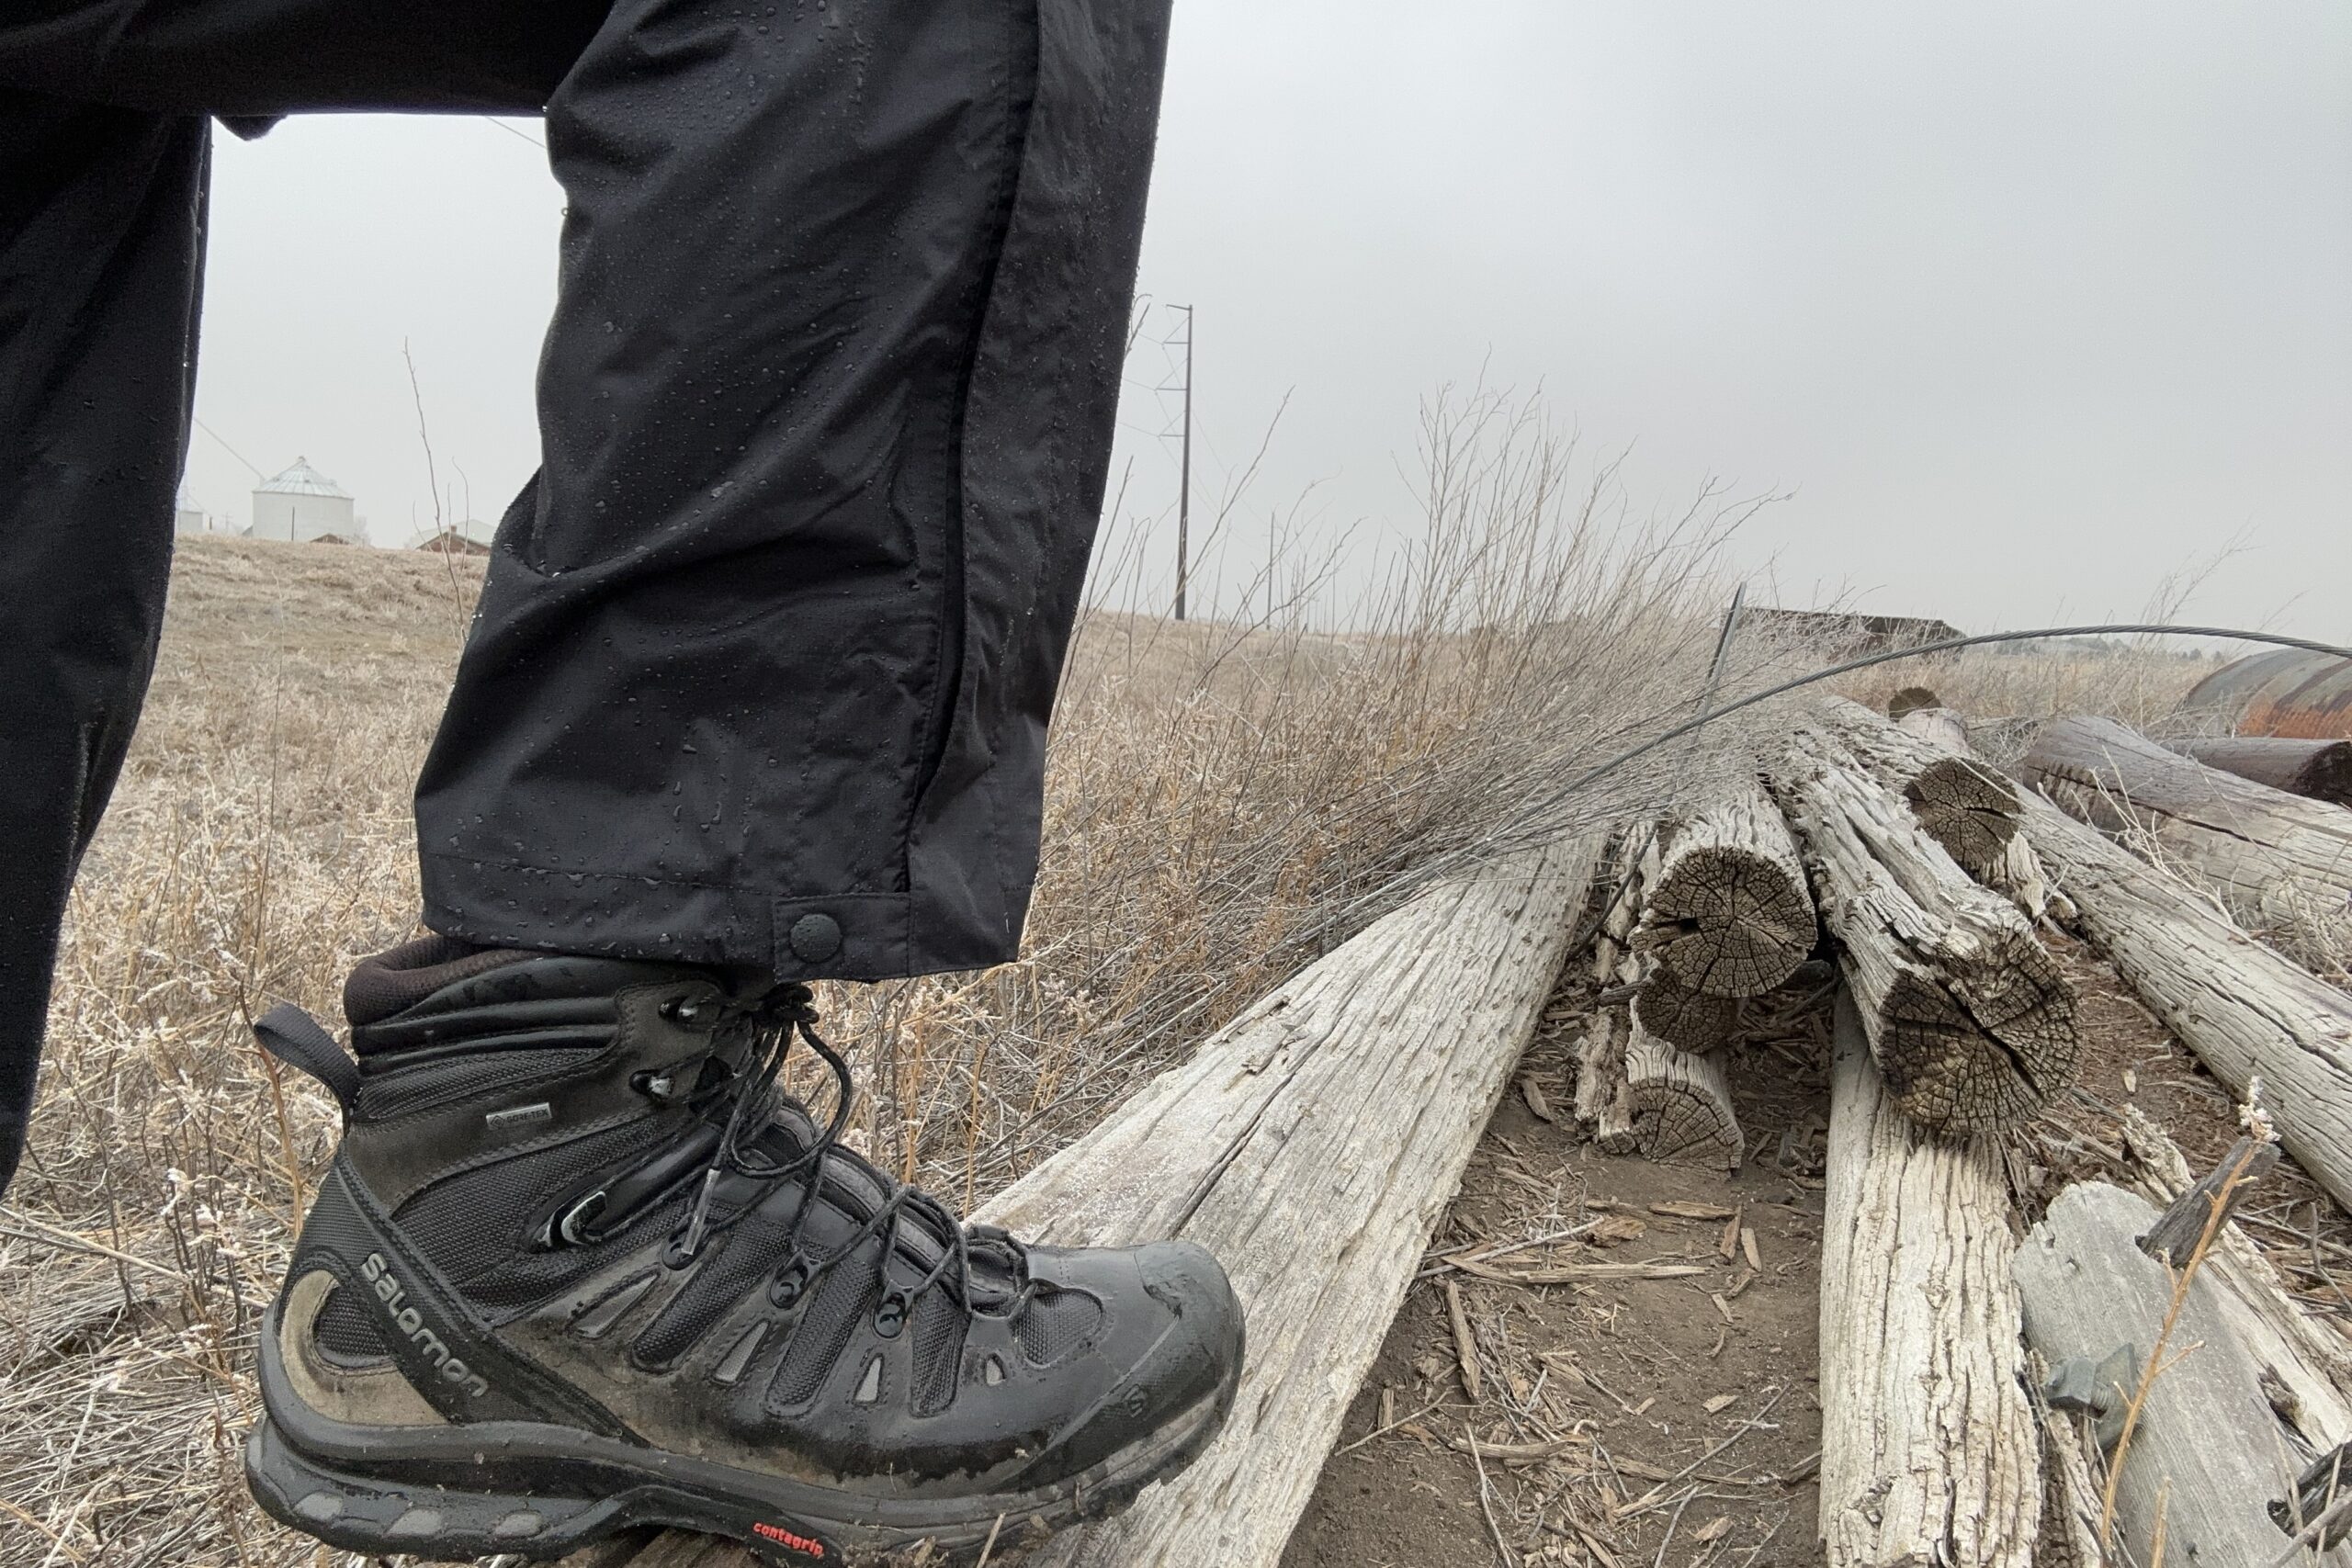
(411, 1325)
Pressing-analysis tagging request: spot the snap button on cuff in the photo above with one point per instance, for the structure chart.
(815, 938)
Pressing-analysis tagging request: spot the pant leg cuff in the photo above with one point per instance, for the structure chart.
(845, 936)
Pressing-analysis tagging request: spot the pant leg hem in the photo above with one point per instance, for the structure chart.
(845, 936)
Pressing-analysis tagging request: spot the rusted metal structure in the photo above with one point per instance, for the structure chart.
(1847, 634)
(2286, 691)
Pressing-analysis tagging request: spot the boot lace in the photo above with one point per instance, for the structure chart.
(751, 1097)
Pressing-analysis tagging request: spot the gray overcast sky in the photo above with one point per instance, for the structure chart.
(2024, 305)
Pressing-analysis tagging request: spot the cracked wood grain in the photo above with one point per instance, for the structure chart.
(1930, 1451)
(1968, 1016)
(1728, 913)
(2242, 1008)
(2272, 856)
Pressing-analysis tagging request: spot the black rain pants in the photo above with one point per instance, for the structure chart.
(762, 667)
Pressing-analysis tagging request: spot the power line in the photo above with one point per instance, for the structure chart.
(1184, 480)
(520, 135)
(231, 450)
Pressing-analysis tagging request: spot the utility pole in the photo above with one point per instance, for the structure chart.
(1184, 480)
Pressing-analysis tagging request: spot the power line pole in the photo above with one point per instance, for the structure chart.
(1184, 480)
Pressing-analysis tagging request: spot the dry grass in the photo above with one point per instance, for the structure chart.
(1223, 803)
(2007, 695)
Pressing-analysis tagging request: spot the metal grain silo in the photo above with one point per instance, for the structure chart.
(2286, 691)
(302, 503)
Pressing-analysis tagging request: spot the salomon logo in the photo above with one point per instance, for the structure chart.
(410, 1324)
(783, 1537)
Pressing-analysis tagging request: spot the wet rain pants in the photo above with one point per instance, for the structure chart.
(762, 666)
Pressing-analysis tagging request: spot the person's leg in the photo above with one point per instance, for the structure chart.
(763, 665)
(101, 240)
(758, 688)
(103, 147)
(768, 645)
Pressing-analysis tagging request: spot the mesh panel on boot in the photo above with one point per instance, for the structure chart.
(1055, 1322)
(475, 1227)
(845, 1295)
(744, 1257)
(939, 1328)
(344, 1330)
(397, 1094)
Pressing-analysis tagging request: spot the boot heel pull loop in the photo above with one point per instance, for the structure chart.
(294, 1037)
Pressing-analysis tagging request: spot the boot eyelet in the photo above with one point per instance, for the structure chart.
(681, 1010)
(661, 1087)
(790, 1282)
(674, 1255)
(891, 1316)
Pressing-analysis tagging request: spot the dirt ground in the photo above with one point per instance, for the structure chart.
(1677, 1420)
(1686, 1410)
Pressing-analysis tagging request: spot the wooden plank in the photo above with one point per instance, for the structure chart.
(2173, 1239)
(2205, 1440)
(2273, 857)
(1635, 857)
(1968, 1017)
(1929, 1452)
(1312, 1145)
(1604, 1101)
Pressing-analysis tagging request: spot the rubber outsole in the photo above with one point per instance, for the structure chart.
(370, 1512)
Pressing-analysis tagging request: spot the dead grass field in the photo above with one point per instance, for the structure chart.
(1224, 803)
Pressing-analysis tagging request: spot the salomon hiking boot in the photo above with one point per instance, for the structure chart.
(579, 1266)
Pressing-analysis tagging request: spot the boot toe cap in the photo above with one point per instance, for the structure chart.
(1181, 1344)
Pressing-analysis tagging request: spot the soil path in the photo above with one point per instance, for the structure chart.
(1683, 1414)
(1690, 1405)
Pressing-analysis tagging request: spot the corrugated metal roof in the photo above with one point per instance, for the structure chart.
(301, 479)
(472, 530)
(2290, 691)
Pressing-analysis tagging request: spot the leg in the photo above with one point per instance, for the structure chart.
(768, 646)
(102, 154)
(101, 240)
(763, 665)
(761, 679)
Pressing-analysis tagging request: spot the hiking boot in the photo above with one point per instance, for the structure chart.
(580, 1265)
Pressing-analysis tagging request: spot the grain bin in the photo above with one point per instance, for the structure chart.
(302, 504)
(2286, 692)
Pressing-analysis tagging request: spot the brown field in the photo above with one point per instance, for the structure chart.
(1224, 803)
